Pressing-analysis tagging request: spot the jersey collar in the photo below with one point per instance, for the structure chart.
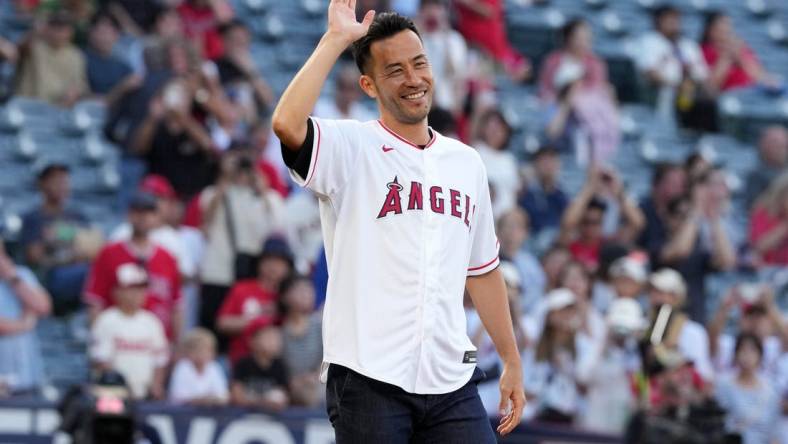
(404, 140)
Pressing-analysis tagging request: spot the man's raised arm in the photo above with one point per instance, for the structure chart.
(289, 120)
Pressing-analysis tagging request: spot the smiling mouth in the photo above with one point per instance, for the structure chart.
(415, 96)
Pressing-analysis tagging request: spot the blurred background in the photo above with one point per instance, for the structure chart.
(157, 260)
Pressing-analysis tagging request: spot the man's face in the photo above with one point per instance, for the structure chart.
(103, 36)
(400, 78)
(774, 147)
(131, 298)
(433, 17)
(673, 184)
(548, 166)
(143, 221)
(670, 25)
(56, 187)
(274, 269)
(591, 224)
(59, 35)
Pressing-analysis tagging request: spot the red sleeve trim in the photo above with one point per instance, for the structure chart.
(313, 164)
(485, 265)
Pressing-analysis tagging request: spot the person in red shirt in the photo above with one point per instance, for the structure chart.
(769, 224)
(254, 301)
(201, 20)
(581, 226)
(163, 298)
(731, 62)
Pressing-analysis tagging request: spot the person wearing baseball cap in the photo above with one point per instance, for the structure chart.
(667, 295)
(129, 339)
(629, 276)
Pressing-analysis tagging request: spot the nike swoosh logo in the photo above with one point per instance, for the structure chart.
(386, 149)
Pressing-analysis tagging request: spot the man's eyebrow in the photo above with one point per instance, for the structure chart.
(419, 57)
(392, 65)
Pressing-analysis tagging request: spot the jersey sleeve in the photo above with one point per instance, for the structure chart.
(484, 242)
(331, 152)
(101, 337)
(99, 282)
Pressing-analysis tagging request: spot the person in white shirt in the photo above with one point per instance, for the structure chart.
(491, 140)
(664, 57)
(344, 104)
(448, 55)
(129, 339)
(669, 289)
(197, 378)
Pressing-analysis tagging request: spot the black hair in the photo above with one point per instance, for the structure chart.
(494, 113)
(663, 10)
(744, 338)
(442, 120)
(569, 28)
(104, 14)
(661, 170)
(385, 25)
(287, 284)
(225, 28)
(711, 18)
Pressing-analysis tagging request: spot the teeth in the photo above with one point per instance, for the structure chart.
(417, 95)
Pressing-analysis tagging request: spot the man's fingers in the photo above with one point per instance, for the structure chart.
(352, 4)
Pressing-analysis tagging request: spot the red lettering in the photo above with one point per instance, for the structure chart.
(392, 203)
(436, 202)
(455, 203)
(415, 199)
(467, 209)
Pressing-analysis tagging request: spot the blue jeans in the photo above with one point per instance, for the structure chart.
(363, 410)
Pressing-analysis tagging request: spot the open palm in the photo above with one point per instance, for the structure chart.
(342, 20)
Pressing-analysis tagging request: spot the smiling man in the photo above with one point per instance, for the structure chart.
(408, 228)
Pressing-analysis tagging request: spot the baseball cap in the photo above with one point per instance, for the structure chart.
(559, 298)
(158, 186)
(142, 201)
(629, 267)
(625, 314)
(276, 246)
(669, 281)
(510, 274)
(131, 275)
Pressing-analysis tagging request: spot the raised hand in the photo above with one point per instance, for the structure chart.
(342, 20)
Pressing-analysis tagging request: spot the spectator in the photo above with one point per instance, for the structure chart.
(576, 278)
(302, 338)
(751, 402)
(238, 214)
(732, 64)
(166, 233)
(582, 222)
(769, 224)
(261, 379)
(174, 143)
(197, 378)
(773, 150)
(610, 400)
(684, 335)
(582, 121)
(22, 302)
(259, 136)
(51, 68)
(56, 239)
(553, 261)
(164, 295)
(625, 278)
(482, 23)
(543, 199)
(492, 139)
(252, 300)
(758, 316)
(512, 231)
(669, 182)
(239, 75)
(345, 102)
(129, 339)
(553, 366)
(675, 66)
(108, 76)
(201, 21)
(577, 49)
(448, 54)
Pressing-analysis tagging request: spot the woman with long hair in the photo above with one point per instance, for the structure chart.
(769, 224)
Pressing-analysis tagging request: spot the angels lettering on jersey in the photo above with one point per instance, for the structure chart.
(452, 202)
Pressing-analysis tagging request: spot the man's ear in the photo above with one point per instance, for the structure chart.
(366, 84)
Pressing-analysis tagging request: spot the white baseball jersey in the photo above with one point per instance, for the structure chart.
(403, 227)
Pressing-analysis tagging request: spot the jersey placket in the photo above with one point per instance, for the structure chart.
(431, 261)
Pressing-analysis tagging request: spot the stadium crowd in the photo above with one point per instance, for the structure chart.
(210, 293)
